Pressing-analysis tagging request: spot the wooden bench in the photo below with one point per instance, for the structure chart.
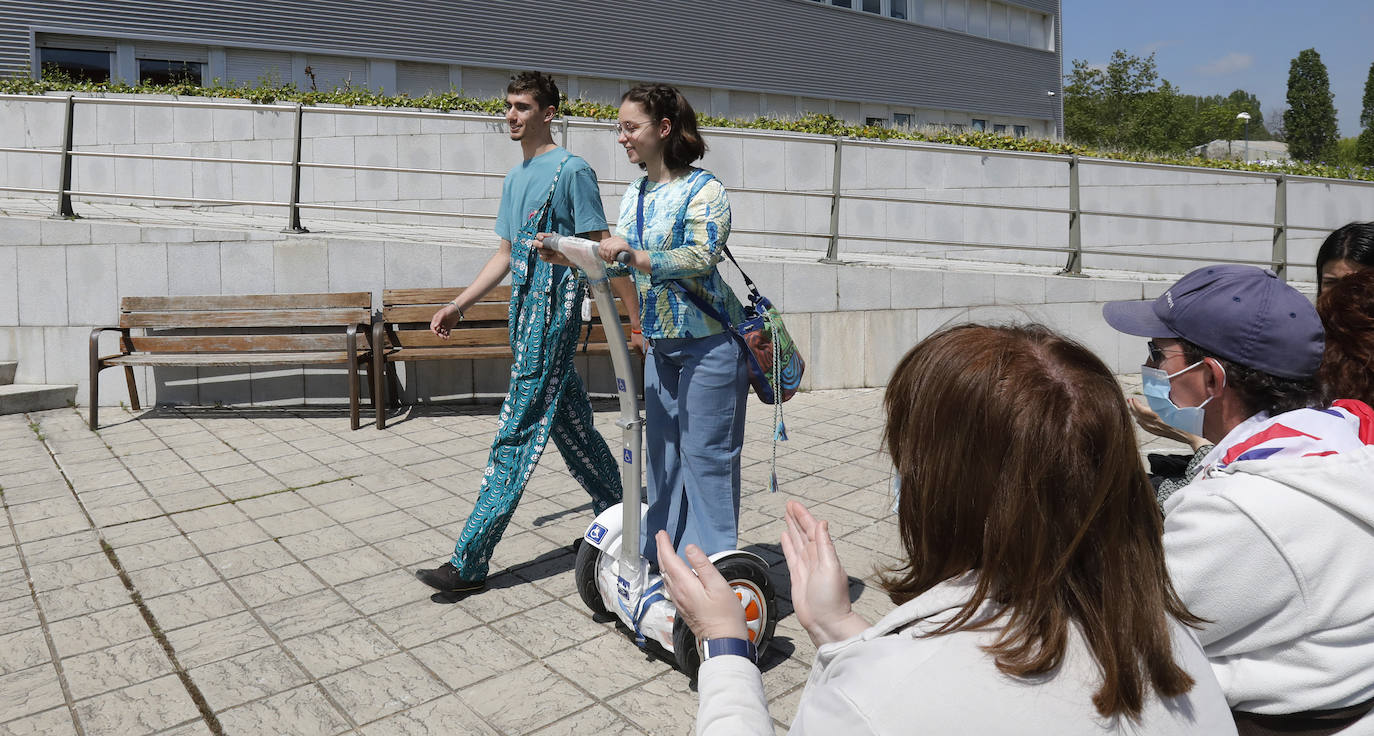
(483, 333)
(250, 330)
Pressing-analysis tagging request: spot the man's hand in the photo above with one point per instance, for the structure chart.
(550, 255)
(1150, 422)
(820, 587)
(444, 320)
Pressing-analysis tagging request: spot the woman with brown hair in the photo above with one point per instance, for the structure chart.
(1346, 306)
(1032, 596)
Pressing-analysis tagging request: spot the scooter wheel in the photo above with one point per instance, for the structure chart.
(749, 579)
(584, 572)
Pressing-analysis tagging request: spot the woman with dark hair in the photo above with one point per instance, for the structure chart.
(1032, 594)
(1348, 249)
(1346, 307)
(674, 222)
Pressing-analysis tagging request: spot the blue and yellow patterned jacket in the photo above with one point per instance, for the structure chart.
(681, 248)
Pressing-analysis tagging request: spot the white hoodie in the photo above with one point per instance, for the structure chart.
(1278, 554)
(890, 680)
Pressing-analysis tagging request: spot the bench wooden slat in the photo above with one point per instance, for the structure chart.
(249, 318)
(459, 352)
(476, 337)
(239, 343)
(437, 296)
(480, 312)
(243, 302)
(473, 336)
(228, 359)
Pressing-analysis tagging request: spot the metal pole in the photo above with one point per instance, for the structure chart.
(832, 251)
(64, 185)
(1074, 267)
(1279, 255)
(293, 224)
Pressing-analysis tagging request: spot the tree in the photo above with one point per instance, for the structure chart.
(1125, 105)
(1310, 123)
(1364, 148)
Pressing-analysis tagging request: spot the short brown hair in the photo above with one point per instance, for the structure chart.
(1347, 311)
(1018, 462)
(684, 144)
(537, 84)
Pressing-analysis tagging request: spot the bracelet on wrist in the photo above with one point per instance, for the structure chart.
(636, 331)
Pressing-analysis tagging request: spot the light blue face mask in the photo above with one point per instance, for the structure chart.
(1155, 385)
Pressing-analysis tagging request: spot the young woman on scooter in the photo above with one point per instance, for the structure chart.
(674, 222)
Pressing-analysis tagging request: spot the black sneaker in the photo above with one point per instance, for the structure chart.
(446, 578)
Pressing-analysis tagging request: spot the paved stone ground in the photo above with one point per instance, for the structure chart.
(193, 571)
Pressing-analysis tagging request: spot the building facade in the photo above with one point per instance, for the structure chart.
(990, 65)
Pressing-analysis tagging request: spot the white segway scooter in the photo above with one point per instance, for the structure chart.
(612, 577)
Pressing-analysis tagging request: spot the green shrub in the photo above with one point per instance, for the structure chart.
(268, 91)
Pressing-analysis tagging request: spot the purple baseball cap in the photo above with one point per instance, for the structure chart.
(1241, 313)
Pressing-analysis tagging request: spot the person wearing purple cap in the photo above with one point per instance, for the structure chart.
(1272, 541)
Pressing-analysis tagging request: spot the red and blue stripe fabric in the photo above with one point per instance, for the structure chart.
(1345, 426)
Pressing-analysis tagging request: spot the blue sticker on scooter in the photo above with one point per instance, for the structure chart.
(622, 588)
(620, 384)
(629, 456)
(596, 533)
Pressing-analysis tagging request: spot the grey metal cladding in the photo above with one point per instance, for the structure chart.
(776, 46)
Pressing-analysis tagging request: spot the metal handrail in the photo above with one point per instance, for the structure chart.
(836, 193)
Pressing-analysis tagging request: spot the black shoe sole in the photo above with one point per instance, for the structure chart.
(426, 577)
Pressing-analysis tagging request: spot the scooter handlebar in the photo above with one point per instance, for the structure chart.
(559, 242)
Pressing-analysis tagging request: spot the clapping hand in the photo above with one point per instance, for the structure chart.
(820, 587)
(704, 600)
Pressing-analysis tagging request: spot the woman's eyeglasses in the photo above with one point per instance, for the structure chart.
(628, 128)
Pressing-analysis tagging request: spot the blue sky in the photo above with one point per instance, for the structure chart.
(1209, 47)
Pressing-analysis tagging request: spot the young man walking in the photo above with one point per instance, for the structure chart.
(551, 190)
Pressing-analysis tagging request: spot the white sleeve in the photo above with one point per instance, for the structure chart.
(732, 699)
(1228, 570)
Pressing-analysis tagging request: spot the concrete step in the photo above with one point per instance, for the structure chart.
(21, 397)
(7, 369)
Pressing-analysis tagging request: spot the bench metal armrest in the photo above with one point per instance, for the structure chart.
(96, 358)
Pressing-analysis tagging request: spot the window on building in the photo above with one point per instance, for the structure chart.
(167, 71)
(929, 12)
(898, 9)
(873, 6)
(875, 121)
(980, 125)
(997, 22)
(999, 129)
(842, 3)
(89, 66)
(956, 15)
(978, 17)
(1021, 130)
(901, 119)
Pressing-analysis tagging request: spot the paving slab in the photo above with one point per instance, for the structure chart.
(217, 571)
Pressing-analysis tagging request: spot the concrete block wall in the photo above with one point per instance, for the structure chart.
(794, 167)
(58, 279)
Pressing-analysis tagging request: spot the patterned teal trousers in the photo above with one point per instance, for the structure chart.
(546, 398)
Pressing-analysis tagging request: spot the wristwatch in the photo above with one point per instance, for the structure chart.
(718, 647)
